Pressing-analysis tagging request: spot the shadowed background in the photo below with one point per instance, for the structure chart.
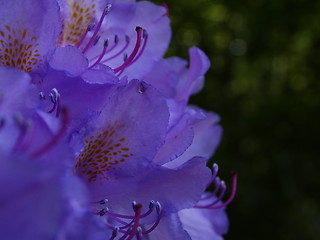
(264, 84)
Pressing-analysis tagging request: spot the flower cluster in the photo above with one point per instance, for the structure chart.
(97, 140)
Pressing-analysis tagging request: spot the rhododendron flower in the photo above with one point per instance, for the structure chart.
(97, 140)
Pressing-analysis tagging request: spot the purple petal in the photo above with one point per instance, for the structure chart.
(34, 25)
(193, 82)
(164, 77)
(16, 92)
(69, 59)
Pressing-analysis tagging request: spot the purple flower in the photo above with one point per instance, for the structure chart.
(96, 135)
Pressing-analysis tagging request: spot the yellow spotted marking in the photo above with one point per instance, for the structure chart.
(102, 152)
(18, 49)
(80, 17)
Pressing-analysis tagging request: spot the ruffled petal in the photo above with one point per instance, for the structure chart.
(70, 60)
(207, 136)
(193, 82)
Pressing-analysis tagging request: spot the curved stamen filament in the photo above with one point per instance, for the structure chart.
(215, 169)
(105, 46)
(114, 233)
(100, 56)
(134, 52)
(126, 234)
(159, 211)
(105, 12)
(223, 191)
(136, 222)
(145, 37)
(89, 29)
(55, 99)
(233, 192)
(120, 52)
(218, 186)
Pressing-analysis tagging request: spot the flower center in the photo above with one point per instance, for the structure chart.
(102, 153)
(18, 49)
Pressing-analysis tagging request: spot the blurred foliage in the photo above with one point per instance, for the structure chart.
(264, 84)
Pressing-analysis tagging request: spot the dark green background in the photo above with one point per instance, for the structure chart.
(264, 82)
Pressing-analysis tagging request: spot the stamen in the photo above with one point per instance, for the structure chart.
(134, 206)
(126, 234)
(103, 201)
(134, 52)
(63, 127)
(222, 187)
(130, 229)
(145, 37)
(103, 211)
(158, 207)
(159, 211)
(89, 29)
(114, 233)
(105, 46)
(217, 184)
(116, 40)
(125, 57)
(42, 96)
(142, 88)
(96, 40)
(139, 233)
(215, 169)
(55, 99)
(233, 192)
(152, 204)
(138, 208)
(120, 52)
(105, 12)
